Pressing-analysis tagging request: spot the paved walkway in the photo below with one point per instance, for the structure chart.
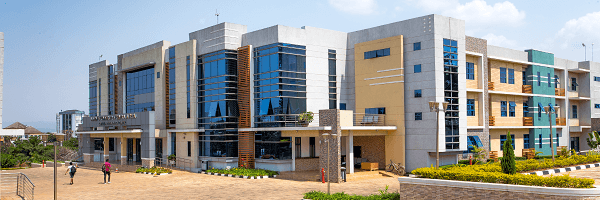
(185, 185)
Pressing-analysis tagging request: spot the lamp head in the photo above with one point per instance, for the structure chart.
(433, 105)
(445, 104)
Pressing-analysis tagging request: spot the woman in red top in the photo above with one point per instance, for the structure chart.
(106, 170)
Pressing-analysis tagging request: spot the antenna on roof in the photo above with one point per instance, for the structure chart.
(100, 57)
(217, 14)
(585, 51)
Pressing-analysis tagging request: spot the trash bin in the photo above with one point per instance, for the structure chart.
(204, 165)
(344, 174)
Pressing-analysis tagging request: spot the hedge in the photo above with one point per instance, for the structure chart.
(533, 164)
(158, 170)
(244, 172)
(383, 194)
(469, 174)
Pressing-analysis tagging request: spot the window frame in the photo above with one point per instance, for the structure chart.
(418, 116)
(416, 46)
(470, 107)
(503, 109)
(470, 71)
(502, 75)
(418, 93)
(512, 109)
(512, 137)
(574, 112)
(511, 76)
(418, 66)
(526, 144)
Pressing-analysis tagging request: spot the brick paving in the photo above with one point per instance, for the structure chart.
(185, 185)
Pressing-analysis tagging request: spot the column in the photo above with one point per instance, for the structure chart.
(123, 150)
(134, 149)
(86, 148)
(293, 153)
(106, 147)
(350, 153)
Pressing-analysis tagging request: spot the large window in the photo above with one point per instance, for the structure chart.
(187, 75)
(511, 108)
(503, 108)
(140, 85)
(375, 111)
(452, 139)
(472, 142)
(111, 90)
(511, 76)
(574, 112)
(217, 104)
(332, 79)
(470, 71)
(171, 90)
(502, 75)
(377, 53)
(93, 102)
(503, 138)
(470, 107)
(574, 84)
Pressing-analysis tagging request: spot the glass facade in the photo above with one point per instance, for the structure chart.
(217, 103)
(111, 90)
(279, 91)
(171, 77)
(452, 140)
(187, 74)
(377, 53)
(332, 80)
(93, 99)
(139, 82)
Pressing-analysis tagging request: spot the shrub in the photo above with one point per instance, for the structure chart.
(508, 161)
(383, 194)
(469, 174)
(158, 170)
(244, 172)
(8, 160)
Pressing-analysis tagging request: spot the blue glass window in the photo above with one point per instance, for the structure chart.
(574, 113)
(502, 75)
(416, 46)
(511, 109)
(417, 93)
(342, 106)
(417, 68)
(470, 107)
(596, 78)
(418, 116)
(539, 78)
(540, 140)
(473, 141)
(375, 111)
(524, 78)
(93, 93)
(503, 108)
(540, 110)
(511, 76)
(470, 71)
(503, 138)
(555, 81)
(526, 141)
(377, 53)
(596, 105)
(525, 109)
(574, 84)
(137, 83)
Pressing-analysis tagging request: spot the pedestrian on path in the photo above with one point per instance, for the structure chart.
(71, 170)
(106, 170)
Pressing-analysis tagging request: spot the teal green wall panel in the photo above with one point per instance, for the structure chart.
(540, 57)
(545, 147)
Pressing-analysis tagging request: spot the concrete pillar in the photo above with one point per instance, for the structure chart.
(123, 150)
(293, 153)
(106, 146)
(350, 153)
(331, 144)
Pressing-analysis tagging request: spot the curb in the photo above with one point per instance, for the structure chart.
(237, 176)
(153, 174)
(566, 169)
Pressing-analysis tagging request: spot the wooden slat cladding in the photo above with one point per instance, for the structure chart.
(166, 78)
(245, 138)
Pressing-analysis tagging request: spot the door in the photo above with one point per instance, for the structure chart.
(575, 143)
(129, 149)
(138, 150)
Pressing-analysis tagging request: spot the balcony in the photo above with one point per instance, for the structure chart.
(293, 120)
(561, 121)
(527, 89)
(361, 119)
(492, 121)
(559, 92)
(490, 85)
(527, 121)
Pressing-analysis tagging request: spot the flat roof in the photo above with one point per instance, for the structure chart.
(316, 128)
(108, 132)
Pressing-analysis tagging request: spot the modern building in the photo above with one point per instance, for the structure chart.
(229, 97)
(67, 121)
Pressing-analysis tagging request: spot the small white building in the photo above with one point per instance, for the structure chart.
(67, 121)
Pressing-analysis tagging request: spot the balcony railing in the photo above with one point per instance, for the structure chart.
(294, 121)
(527, 121)
(559, 91)
(361, 119)
(490, 85)
(527, 89)
(561, 121)
(492, 121)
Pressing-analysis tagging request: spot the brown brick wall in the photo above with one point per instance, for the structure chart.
(331, 118)
(307, 164)
(417, 191)
(372, 148)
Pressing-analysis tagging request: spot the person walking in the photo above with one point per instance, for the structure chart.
(71, 170)
(106, 170)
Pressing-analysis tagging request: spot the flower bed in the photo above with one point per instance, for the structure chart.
(244, 172)
(492, 173)
(383, 194)
(154, 170)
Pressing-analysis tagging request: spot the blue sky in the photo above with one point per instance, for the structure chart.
(49, 44)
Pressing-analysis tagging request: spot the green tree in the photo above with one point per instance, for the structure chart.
(72, 143)
(593, 140)
(508, 158)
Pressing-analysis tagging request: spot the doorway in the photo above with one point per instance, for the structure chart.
(575, 143)
(130, 152)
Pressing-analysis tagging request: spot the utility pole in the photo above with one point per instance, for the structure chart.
(55, 143)
(217, 14)
(585, 51)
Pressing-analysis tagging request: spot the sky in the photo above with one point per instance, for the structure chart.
(50, 44)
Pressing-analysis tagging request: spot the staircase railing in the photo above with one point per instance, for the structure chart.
(24, 187)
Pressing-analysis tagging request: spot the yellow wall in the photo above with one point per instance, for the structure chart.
(495, 109)
(494, 76)
(390, 96)
(473, 83)
(474, 120)
(495, 140)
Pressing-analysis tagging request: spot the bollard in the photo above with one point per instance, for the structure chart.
(470, 161)
(323, 175)
(43, 163)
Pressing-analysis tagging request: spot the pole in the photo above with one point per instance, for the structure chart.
(437, 137)
(328, 182)
(551, 138)
(55, 170)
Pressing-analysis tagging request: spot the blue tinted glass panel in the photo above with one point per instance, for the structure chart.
(417, 68)
(502, 75)
(416, 46)
(418, 116)
(503, 108)
(511, 76)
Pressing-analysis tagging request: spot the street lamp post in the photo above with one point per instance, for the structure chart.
(57, 138)
(435, 107)
(550, 110)
(327, 140)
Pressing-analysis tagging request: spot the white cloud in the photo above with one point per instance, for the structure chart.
(361, 7)
(583, 29)
(477, 12)
(500, 40)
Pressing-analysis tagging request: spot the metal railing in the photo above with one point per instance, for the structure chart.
(24, 187)
(294, 121)
(179, 163)
(361, 119)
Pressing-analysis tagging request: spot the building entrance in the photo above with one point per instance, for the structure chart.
(134, 152)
